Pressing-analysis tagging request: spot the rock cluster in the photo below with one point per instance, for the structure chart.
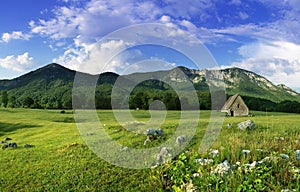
(246, 125)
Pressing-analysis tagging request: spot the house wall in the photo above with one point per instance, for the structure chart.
(239, 108)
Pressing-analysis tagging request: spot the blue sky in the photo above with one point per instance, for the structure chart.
(257, 35)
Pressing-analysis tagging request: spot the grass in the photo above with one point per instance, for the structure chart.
(61, 161)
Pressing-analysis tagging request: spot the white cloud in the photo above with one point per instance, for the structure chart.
(279, 61)
(6, 37)
(17, 63)
(243, 15)
(93, 58)
(183, 9)
(95, 19)
(235, 2)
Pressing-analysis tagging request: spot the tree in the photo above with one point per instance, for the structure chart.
(140, 100)
(12, 101)
(28, 101)
(4, 98)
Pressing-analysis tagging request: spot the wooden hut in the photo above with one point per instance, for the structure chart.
(235, 106)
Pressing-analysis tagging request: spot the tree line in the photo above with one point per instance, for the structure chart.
(141, 100)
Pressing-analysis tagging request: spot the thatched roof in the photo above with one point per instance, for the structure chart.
(229, 102)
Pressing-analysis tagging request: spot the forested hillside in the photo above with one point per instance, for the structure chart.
(51, 87)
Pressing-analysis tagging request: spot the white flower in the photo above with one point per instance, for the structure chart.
(246, 151)
(222, 168)
(204, 162)
(214, 152)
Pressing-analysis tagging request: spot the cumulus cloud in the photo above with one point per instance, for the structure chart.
(279, 61)
(94, 58)
(17, 63)
(95, 19)
(86, 23)
(6, 37)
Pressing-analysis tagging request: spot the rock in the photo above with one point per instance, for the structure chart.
(13, 145)
(297, 155)
(246, 125)
(164, 151)
(157, 132)
(163, 156)
(147, 141)
(139, 123)
(90, 134)
(160, 159)
(181, 139)
(4, 146)
(7, 139)
(10, 145)
(284, 156)
(27, 145)
(125, 148)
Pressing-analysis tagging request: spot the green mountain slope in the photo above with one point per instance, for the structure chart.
(51, 86)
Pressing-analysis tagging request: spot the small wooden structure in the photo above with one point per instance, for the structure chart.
(235, 106)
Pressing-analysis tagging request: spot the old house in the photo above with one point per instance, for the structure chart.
(235, 106)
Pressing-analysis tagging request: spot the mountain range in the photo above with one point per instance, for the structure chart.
(52, 84)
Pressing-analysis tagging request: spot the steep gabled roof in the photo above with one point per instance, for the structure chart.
(230, 101)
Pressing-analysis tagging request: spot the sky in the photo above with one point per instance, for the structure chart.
(257, 35)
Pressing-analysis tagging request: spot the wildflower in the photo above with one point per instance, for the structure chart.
(214, 152)
(222, 168)
(246, 151)
(204, 162)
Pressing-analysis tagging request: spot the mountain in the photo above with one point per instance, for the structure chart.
(247, 83)
(51, 86)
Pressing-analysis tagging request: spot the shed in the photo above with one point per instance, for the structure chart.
(235, 106)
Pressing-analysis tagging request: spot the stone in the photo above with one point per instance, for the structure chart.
(125, 148)
(163, 156)
(4, 146)
(181, 139)
(13, 145)
(157, 132)
(246, 125)
(147, 141)
(7, 139)
(90, 134)
(164, 151)
(27, 145)
(284, 156)
(10, 145)
(297, 155)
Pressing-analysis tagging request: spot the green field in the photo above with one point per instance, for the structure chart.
(61, 161)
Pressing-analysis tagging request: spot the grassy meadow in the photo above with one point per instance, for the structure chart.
(61, 161)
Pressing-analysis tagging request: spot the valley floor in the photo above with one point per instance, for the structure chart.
(60, 160)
